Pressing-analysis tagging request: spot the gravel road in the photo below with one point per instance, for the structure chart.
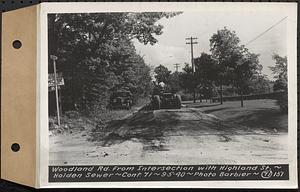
(170, 136)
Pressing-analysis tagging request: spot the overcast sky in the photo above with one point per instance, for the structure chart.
(171, 47)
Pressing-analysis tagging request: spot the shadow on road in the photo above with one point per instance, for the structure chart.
(268, 119)
(152, 128)
(142, 126)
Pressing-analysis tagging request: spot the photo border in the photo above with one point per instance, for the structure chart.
(42, 120)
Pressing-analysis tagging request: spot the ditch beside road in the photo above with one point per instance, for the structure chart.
(201, 133)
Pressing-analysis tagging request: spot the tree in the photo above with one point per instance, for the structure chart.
(162, 74)
(260, 84)
(206, 74)
(281, 82)
(280, 72)
(174, 82)
(187, 79)
(243, 73)
(236, 64)
(169, 79)
(225, 48)
(96, 54)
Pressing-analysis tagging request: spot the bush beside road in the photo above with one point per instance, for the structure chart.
(75, 121)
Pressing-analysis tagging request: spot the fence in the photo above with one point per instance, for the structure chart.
(273, 95)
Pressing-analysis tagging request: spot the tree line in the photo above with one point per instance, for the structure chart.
(230, 65)
(97, 57)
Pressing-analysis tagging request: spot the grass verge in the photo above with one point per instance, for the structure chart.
(257, 114)
(75, 121)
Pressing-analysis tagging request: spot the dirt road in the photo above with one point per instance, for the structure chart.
(170, 136)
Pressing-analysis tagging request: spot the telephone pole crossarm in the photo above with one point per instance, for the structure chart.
(192, 42)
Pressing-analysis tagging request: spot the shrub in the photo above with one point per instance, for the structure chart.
(186, 96)
(282, 102)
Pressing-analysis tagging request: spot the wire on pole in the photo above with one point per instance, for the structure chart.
(261, 34)
(192, 41)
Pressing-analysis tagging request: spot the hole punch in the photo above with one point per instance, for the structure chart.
(15, 147)
(17, 44)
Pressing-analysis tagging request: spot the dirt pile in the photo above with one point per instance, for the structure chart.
(71, 122)
(142, 126)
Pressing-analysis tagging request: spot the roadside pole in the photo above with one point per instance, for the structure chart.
(176, 66)
(54, 58)
(192, 42)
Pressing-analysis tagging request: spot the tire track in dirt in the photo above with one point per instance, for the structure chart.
(184, 136)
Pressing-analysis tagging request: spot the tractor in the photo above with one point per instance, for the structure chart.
(166, 100)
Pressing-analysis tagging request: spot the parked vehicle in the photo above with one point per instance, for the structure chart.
(121, 100)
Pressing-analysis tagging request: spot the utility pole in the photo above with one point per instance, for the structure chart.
(192, 42)
(54, 58)
(176, 66)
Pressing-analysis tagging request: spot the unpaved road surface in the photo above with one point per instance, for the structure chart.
(169, 136)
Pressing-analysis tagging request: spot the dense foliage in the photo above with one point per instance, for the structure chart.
(281, 82)
(237, 64)
(230, 69)
(96, 55)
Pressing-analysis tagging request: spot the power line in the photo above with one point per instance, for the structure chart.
(266, 31)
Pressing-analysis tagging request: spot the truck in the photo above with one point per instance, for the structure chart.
(121, 100)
